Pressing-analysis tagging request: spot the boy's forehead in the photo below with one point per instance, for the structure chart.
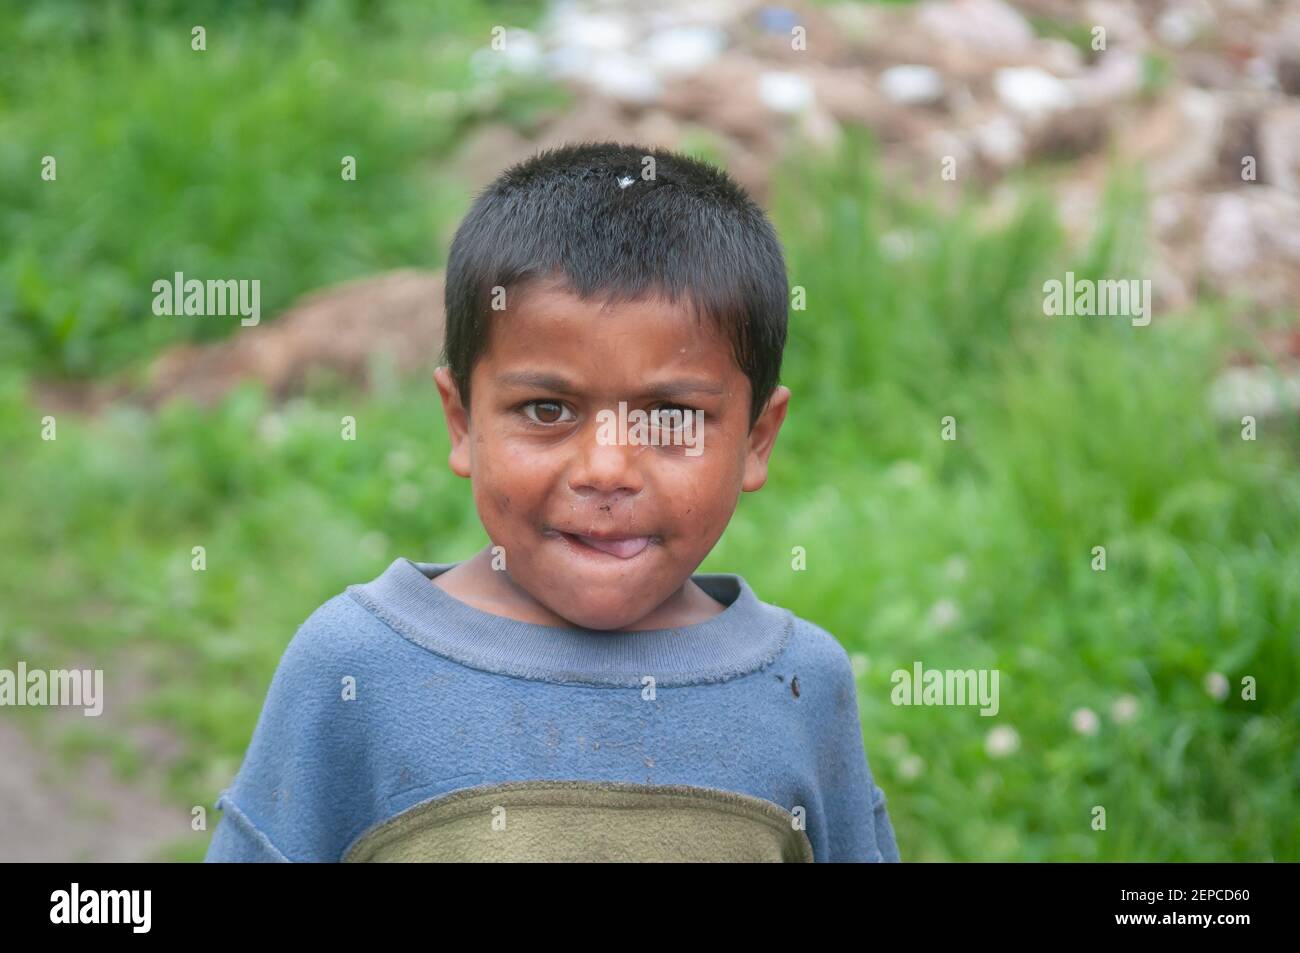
(559, 330)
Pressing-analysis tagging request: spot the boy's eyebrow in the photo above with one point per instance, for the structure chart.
(683, 387)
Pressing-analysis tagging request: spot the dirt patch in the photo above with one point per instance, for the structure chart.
(343, 329)
(51, 811)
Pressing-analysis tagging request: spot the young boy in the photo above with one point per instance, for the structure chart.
(615, 323)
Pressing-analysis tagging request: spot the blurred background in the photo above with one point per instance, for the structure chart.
(929, 166)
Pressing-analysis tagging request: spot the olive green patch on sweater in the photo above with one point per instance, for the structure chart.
(565, 821)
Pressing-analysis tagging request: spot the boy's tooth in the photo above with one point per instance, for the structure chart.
(623, 548)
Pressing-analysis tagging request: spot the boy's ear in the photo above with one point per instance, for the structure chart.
(457, 421)
(762, 438)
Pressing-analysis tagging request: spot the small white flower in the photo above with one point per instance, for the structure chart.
(896, 745)
(944, 613)
(910, 767)
(905, 473)
(1001, 741)
(1124, 709)
(1085, 721)
(896, 246)
(785, 92)
(399, 462)
(1216, 685)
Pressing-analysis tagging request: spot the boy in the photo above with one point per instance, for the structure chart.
(615, 323)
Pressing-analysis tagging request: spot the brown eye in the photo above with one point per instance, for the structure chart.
(672, 417)
(545, 411)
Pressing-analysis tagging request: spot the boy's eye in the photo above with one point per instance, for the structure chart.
(545, 412)
(672, 416)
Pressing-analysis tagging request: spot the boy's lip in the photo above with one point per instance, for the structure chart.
(621, 545)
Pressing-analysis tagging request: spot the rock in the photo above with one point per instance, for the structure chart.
(1181, 23)
(723, 97)
(1116, 77)
(1288, 73)
(1000, 142)
(1179, 140)
(1209, 70)
(987, 28)
(1276, 216)
(1279, 147)
(1069, 134)
(1238, 147)
(1122, 21)
(575, 26)
(682, 50)
(785, 92)
(621, 77)
(1059, 57)
(912, 84)
(1031, 90)
(1228, 243)
(849, 94)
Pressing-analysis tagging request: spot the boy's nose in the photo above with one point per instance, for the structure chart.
(605, 468)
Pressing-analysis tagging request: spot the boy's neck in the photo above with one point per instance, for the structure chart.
(477, 584)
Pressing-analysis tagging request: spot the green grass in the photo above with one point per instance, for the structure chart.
(224, 163)
(973, 553)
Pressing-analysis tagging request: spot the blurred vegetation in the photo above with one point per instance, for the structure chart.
(225, 162)
(974, 553)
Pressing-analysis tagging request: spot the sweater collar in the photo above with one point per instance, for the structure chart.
(746, 636)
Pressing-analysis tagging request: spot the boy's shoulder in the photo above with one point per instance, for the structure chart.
(341, 633)
(820, 642)
(816, 649)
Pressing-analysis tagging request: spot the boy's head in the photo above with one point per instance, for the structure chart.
(587, 284)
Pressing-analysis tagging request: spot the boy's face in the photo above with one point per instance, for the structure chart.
(604, 534)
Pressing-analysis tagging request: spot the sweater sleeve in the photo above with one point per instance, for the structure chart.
(237, 840)
(298, 795)
(858, 826)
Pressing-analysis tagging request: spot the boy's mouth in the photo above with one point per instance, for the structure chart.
(624, 547)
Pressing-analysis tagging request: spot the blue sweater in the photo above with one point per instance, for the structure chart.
(404, 724)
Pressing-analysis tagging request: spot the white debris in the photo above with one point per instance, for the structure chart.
(1258, 392)
(979, 26)
(1028, 89)
(684, 49)
(912, 84)
(784, 92)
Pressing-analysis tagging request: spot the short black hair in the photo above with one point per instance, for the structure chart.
(584, 214)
